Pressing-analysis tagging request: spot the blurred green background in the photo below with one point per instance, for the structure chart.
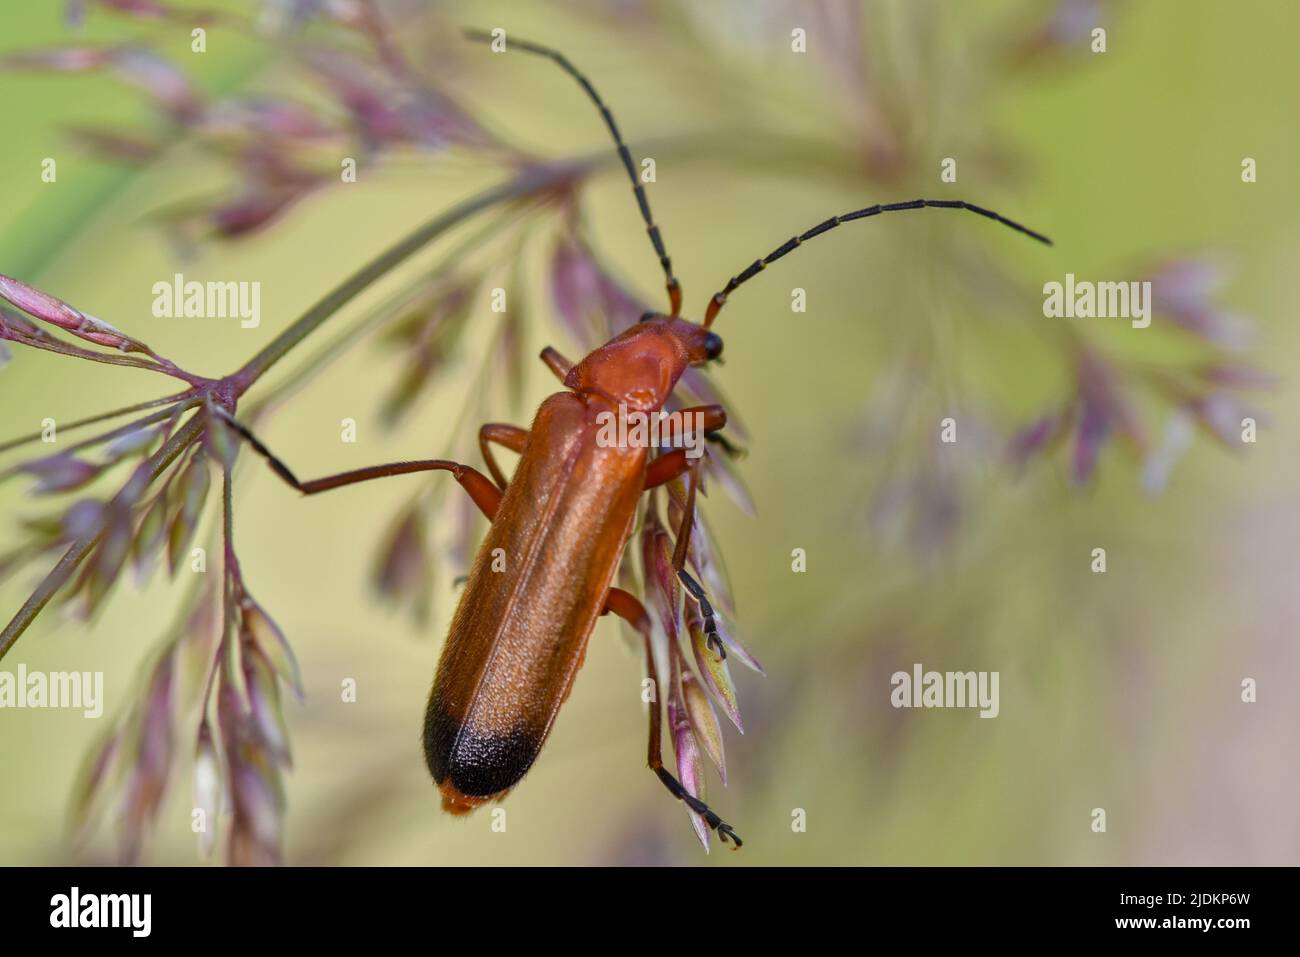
(1119, 691)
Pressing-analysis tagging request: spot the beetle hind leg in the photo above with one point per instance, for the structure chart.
(725, 830)
(628, 607)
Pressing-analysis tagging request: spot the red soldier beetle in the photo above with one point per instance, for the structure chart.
(519, 636)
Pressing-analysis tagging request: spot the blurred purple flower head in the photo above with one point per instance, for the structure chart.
(593, 305)
(150, 759)
(1183, 290)
(389, 112)
(405, 570)
(1101, 407)
(1062, 33)
(160, 80)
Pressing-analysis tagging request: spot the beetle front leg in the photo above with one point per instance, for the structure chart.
(628, 607)
(559, 365)
(480, 488)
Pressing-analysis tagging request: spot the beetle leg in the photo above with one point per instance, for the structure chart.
(665, 468)
(681, 552)
(628, 607)
(732, 450)
(485, 495)
(662, 470)
(510, 436)
(712, 418)
(696, 591)
(556, 363)
(670, 465)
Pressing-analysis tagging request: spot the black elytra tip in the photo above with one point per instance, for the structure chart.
(478, 763)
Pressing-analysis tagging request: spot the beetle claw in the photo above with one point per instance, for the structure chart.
(731, 450)
(713, 640)
(725, 831)
(710, 816)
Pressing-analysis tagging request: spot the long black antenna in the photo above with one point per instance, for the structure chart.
(758, 265)
(674, 288)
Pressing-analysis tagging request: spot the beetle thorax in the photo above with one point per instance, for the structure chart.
(638, 369)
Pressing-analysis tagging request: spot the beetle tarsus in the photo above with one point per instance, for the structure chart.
(725, 830)
(711, 637)
(732, 450)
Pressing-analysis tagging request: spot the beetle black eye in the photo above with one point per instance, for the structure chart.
(646, 316)
(712, 346)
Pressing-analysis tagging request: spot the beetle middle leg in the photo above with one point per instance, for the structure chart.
(480, 488)
(628, 607)
(511, 436)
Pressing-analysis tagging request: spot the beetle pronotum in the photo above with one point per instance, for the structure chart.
(519, 636)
